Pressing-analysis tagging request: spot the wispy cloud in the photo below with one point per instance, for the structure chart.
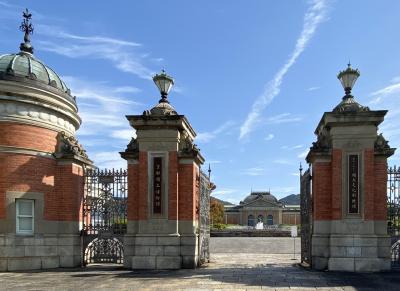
(313, 88)
(223, 191)
(295, 147)
(205, 137)
(388, 98)
(283, 118)
(108, 160)
(123, 54)
(381, 94)
(314, 16)
(124, 134)
(102, 108)
(256, 171)
(269, 137)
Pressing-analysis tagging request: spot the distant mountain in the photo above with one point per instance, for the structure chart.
(222, 201)
(293, 199)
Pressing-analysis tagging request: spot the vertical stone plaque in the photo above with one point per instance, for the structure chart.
(157, 185)
(353, 184)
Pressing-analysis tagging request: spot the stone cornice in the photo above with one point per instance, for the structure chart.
(161, 122)
(330, 119)
(45, 93)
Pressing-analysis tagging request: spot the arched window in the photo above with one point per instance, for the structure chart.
(270, 220)
(250, 220)
(261, 218)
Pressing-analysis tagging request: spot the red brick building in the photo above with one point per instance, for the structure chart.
(41, 165)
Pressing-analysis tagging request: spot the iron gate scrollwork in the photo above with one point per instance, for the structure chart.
(204, 219)
(393, 203)
(306, 216)
(104, 215)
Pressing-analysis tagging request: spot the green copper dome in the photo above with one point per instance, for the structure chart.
(24, 66)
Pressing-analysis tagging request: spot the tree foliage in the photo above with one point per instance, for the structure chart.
(216, 211)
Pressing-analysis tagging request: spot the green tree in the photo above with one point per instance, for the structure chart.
(216, 211)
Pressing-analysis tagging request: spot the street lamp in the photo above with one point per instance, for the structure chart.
(164, 84)
(348, 78)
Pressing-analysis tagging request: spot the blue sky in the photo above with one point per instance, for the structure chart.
(252, 77)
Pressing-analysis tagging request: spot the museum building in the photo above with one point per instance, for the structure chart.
(261, 207)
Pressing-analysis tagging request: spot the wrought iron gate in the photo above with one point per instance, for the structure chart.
(306, 216)
(104, 216)
(393, 195)
(204, 219)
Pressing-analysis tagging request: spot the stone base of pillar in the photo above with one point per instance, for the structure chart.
(40, 251)
(351, 252)
(160, 252)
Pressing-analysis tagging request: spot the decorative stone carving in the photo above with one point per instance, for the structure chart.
(323, 143)
(382, 146)
(349, 104)
(188, 148)
(69, 145)
(132, 150)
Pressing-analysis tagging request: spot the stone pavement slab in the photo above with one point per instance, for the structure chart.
(225, 272)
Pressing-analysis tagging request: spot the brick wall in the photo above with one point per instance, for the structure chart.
(133, 191)
(66, 204)
(291, 218)
(26, 173)
(173, 186)
(27, 136)
(380, 187)
(187, 194)
(142, 194)
(369, 182)
(322, 189)
(336, 184)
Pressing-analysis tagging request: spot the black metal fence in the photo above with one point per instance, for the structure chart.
(104, 215)
(393, 213)
(204, 218)
(306, 216)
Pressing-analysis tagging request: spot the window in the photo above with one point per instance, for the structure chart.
(25, 216)
(260, 218)
(250, 220)
(270, 220)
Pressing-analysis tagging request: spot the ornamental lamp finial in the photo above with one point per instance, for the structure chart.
(164, 84)
(348, 78)
(27, 28)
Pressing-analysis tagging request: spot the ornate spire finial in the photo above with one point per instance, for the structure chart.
(27, 28)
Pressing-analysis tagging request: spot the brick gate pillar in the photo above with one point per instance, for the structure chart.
(349, 173)
(163, 191)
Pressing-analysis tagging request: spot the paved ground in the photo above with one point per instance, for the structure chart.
(226, 271)
(255, 245)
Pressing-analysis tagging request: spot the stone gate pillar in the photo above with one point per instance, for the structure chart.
(349, 175)
(163, 193)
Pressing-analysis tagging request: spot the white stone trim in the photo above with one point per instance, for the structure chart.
(186, 161)
(36, 115)
(25, 151)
